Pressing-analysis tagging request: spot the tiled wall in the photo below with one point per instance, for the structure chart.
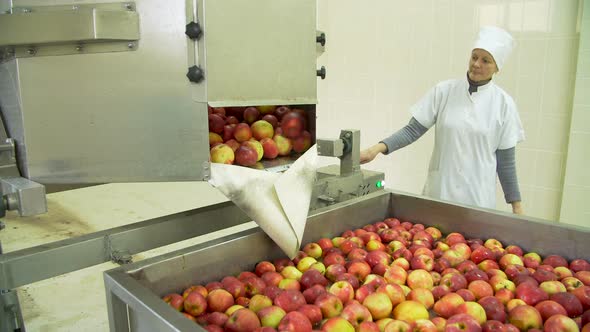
(383, 55)
(575, 207)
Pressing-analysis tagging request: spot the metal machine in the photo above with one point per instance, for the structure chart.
(103, 91)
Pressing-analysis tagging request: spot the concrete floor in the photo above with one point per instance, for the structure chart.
(76, 301)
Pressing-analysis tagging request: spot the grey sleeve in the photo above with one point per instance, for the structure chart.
(506, 168)
(407, 135)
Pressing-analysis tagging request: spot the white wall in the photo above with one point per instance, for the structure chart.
(575, 207)
(383, 55)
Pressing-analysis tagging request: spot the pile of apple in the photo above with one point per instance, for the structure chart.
(245, 135)
(397, 276)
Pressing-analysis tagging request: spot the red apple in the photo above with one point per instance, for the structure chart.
(493, 307)
(356, 313)
(555, 261)
(330, 305)
(292, 124)
(560, 323)
(312, 312)
(337, 324)
(174, 300)
(242, 320)
(216, 123)
(295, 322)
(549, 308)
(303, 142)
(525, 317)
(446, 306)
(246, 156)
(284, 144)
(289, 300)
(259, 302)
(579, 265)
(378, 304)
(271, 316)
(570, 303)
(219, 300)
(410, 311)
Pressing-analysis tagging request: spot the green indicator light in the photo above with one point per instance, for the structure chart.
(379, 184)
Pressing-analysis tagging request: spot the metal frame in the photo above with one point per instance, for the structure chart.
(29, 265)
(134, 291)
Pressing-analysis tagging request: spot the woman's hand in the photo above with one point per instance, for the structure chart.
(517, 207)
(369, 154)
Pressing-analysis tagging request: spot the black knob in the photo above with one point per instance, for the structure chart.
(321, 72)
(193, 30)
(195, 74)
(321, 39)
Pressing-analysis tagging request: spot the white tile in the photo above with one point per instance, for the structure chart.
(578, 159)
(563, 17)
(581, 119)
(547, 204)
(526, 166)
(536, 16)
(549, 170)
(532, 56)
(531, 124)
(558, 93)
(554, 132)
(575, 209)
(583, 66)
(514, 16)
(563, 54)
(582, 95)
(528, 95)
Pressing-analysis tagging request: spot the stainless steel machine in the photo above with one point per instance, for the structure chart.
(103, 91)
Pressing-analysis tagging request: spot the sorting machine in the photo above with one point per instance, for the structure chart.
(102, 91)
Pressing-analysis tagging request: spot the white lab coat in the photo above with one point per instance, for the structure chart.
(469, 130)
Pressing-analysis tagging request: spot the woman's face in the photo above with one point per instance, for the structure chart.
(481, 65)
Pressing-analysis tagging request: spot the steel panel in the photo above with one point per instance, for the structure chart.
(259, 52)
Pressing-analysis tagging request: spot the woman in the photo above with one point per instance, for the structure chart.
(477, 129)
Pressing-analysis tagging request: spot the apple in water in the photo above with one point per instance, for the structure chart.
(560, 323)
(271, 316)
(462, 323)
(337, 324)
(242, 320)
(410, 311)
(379, 305)
(329, 304)
(525, 317)
(295, 321)
(356, 314)
(219, 300)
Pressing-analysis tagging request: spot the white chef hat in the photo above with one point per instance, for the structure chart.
(497, 42)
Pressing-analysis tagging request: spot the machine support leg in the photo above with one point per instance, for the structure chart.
(11, 318)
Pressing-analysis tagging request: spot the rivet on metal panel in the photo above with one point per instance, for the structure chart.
(31, 51)
(79, 48)
(131, 45)
(27, 10)
(75, 7)
(129, 6)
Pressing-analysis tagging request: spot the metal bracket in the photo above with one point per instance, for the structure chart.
(119, 256)
(69, 29)
(11, 317)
